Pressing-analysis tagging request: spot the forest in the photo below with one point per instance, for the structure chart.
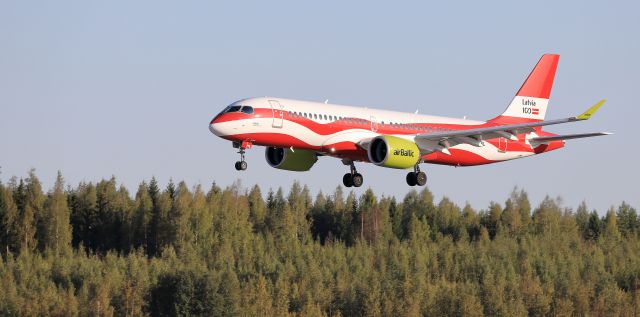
(98, 249)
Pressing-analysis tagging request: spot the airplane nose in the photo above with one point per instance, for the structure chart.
(213, 127)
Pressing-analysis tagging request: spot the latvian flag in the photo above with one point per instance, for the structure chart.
(535, 111)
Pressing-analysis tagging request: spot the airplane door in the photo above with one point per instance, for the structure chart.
(278, 113)
(502, 145)
(374, 124)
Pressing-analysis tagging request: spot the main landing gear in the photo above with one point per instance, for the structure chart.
(416, 177)
(353, 178)
(241, 165)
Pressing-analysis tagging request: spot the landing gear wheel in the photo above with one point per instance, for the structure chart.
(421, 178)
(357, 180)
(353, 178)
(347, 180)
(411, 179)
(241, 165)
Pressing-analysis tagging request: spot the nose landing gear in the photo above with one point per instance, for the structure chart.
(416, 177)
(353, 178)
(241, 165)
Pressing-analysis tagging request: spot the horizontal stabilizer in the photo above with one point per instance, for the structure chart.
(546, 139)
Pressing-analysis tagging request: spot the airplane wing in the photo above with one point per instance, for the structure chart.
(546, 139)
(443, 140)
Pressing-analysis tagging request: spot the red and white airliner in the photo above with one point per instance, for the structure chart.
(296, 132)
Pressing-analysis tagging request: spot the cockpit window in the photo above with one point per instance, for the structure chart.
(243, 109)
(234, 109)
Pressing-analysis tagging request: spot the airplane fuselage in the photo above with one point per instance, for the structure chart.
(337, 131)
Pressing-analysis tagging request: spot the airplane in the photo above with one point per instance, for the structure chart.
(295, 133)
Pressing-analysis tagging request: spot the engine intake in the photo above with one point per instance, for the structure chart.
(286, 159)
(393, 152)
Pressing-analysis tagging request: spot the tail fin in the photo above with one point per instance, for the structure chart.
(530, 103)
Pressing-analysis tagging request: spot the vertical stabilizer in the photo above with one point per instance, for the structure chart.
(530, 103)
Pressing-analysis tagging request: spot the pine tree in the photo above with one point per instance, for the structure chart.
(30, 200)
(257, 209)
(179, 216)
(142, 219)
(546, 218)
(106, 228)
(35, 199)
(491, 219)
(628, 220)
(582, 218)
(594, 227)
(84, 214)
(9, 226)
(201, 220)
(57, 229)
(611, 225)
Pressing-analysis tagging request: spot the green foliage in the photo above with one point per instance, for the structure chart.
(95, 250)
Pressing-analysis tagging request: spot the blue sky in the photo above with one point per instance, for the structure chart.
(127, 88)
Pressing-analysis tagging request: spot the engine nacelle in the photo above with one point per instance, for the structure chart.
(286, 159)
(393, 152)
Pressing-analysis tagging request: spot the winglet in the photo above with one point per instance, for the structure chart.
(587, 114)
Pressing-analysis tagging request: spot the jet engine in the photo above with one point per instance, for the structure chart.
(290, 160)
(393, 152)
